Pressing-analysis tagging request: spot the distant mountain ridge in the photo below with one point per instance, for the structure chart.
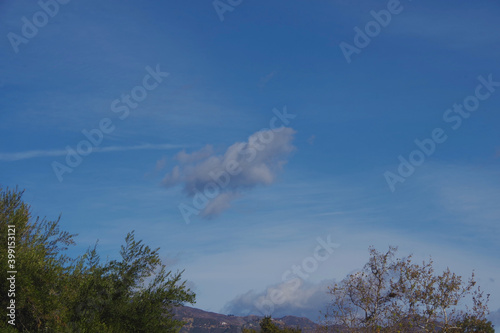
(199, 321)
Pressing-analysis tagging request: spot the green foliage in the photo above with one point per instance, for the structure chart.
(116, 294)
(471, 324)
(40, 264)
(248, 330)
(268, 326)
(55, 293)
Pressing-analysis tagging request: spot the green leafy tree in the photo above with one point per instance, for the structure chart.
(395, 295)
(40, 262)
(267, 325)
(116, 295)
(55, 293)
(472, 324)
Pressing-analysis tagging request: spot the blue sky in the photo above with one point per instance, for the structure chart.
(208, 93)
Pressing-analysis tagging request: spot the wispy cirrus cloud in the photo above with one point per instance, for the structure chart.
(449, 30)
(10, 157)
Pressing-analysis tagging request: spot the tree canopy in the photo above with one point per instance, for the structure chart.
(267, 325)
(396, 295)
(56, 293)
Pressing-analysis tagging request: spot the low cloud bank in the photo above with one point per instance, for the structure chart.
(290, 298)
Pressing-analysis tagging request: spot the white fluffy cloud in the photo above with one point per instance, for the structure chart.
(213, 181)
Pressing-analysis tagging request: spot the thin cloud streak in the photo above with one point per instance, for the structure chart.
(10, 157)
